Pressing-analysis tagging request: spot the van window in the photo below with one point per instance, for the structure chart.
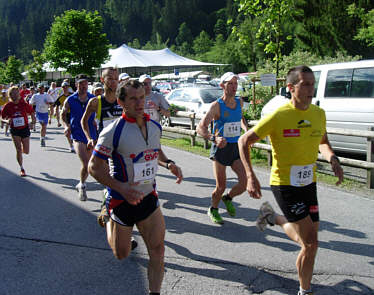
(317, 74)
(363, 83)
(338, 83)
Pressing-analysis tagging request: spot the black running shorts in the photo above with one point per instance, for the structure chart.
(23, 133)
(127, 214)
(297, 203)
(225, 156)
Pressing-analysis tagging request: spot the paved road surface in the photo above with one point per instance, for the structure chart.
(51, 244)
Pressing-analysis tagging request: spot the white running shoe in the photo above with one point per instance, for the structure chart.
(81, 192)
(265, 217)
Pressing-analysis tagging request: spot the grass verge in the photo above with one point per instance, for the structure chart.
(259, 159)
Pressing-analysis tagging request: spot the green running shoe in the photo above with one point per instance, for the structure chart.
(214, 216)
(229, 206)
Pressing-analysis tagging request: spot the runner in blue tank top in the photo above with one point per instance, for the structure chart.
(228, 121)
(131, 145)
(76, 104)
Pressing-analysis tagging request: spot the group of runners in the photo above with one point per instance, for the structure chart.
(116, 135)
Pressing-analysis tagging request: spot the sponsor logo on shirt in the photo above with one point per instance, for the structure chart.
(151, 155)
(304, 124)
(316, 133)
(226, 114)
(291, 132)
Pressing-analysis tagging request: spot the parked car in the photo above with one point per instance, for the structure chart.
(166, 87)
(191, 99)
(346, 92)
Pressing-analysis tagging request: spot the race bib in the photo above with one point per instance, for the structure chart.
(231, 129)
(301, 175)
(18, 122)
(145, 173)
(153, 114)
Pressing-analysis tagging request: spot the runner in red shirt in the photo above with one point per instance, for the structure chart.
(16, 112)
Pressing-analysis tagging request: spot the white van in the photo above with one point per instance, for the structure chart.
(346, 92)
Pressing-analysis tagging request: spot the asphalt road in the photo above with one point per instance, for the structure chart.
(51, 243)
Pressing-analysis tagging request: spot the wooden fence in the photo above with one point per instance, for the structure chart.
(369, 135)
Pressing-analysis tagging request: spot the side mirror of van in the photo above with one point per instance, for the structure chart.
(284, 92)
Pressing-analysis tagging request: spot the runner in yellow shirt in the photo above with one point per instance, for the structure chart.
(297, 131)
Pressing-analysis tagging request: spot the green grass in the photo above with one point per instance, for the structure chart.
(258, 158)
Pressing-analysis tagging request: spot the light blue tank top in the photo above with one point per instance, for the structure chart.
(232, 119)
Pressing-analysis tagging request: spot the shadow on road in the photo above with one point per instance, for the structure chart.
(48, 245)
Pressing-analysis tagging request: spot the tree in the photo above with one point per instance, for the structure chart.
(76, 42)
(273, 13)
(35, 70)
(366, 32)
(202, 43)
(12, 71)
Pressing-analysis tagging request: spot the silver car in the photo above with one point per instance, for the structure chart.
(191, 99)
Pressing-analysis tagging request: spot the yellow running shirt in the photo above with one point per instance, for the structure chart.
(295, 136)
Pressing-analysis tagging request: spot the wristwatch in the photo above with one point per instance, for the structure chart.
(168, 162)
(212, 138)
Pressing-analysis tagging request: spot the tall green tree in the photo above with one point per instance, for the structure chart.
(12, 71)
(202, 43)
(35, 70)
(273, 14)
(76, 42)
(366, 30)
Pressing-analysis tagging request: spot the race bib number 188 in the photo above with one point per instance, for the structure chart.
(301, 175)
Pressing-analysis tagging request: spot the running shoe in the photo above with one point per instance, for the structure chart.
(22, 173)
(305, 293)
(134, 243)
(103, 218)
(6, 134)
(215, 217)
(72, 150)
(81, 192)
(265, 217)
(229, 206)
(59, 125)
(42, 142)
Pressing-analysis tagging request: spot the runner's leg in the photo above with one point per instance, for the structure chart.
(152, 230)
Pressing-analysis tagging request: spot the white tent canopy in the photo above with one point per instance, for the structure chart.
(182, 75)
(127, 57)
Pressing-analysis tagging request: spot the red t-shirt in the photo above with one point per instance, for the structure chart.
(17, 113)
(24, 92)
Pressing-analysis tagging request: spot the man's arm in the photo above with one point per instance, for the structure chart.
(203, 127)
(244, 144)
(99, 169)
(90, 109)
(169, 164)
(243, 121)
(164, 106)
(328, 154)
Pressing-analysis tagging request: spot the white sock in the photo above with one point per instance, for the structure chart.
(303, 292)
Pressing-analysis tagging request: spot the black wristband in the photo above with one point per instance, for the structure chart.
(335, 157)
(168, 162)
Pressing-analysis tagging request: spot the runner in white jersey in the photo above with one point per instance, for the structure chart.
(42, 101)
(155, 103)
(131, 144)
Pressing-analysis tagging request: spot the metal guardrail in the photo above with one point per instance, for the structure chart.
(369, 135)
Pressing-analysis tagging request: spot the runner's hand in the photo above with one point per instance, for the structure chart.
(221, 142)
(254, 187)
(338, 170)
(131, 195)
(177, 171)
(91, 144)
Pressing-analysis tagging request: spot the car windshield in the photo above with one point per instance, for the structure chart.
(210, 95)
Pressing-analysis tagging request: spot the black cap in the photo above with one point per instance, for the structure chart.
(81, 77)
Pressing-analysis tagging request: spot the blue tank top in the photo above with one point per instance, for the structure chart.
(77, 109)
(232, 118)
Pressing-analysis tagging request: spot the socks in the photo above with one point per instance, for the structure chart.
(226, 197)
(305, 292)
